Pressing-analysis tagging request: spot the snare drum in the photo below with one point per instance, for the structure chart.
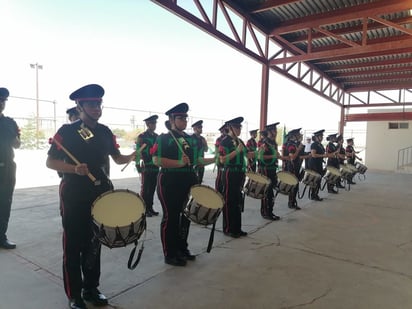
(353, 169)
(361, 168)
(346, 172)
(256, 185)
(286, 182)
(204, 206)
(118, 217)
(311, 178)
(332, 175)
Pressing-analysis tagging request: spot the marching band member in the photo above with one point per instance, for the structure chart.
(316, 161)
(296, 152)
(333, 160)
(341, 157)
(218, 182)
(251, 145)
(144, 163)
(81, 254)
(351, 156)
(232, 154)
(201, 147)
(268, 164)
(174, 153)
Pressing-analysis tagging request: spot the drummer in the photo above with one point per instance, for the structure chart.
(333, 161)
(268, 163)
(232, 154)
(351, 156)
(175, 154)
(223, 132)
(316, 161)
(90, 143)
(296, 152)
(251, 145)
(144, 164)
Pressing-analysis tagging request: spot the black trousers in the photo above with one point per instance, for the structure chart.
(173, 192)
(200, 172)
(81, 251)
(7, 184)
(148, 185)
(268, 202)
(232, 184)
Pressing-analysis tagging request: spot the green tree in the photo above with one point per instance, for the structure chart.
(29, 136)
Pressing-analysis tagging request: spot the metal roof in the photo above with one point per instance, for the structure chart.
(344, 50)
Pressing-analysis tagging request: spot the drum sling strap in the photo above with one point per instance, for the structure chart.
(211, 238)
(130, 263)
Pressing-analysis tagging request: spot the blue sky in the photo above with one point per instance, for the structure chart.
(146, 58)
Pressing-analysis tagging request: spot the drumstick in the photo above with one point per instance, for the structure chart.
(140, 150)
(92, 178)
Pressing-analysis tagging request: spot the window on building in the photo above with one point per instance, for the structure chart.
(398, 125)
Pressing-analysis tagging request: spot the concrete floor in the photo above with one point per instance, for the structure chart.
(352, 250)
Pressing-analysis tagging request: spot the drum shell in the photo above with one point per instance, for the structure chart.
(202, 211)
(311, 178)
(114, 236)
(361, 168)
(286, 182)
(256, 185)
(345, 171)
(332, 175)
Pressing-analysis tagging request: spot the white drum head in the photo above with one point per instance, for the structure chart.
(287, 178)
(118, 208)
(206, 196)
(333, 170)
(258, 178)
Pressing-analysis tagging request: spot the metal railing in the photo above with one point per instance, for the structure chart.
(404, 157)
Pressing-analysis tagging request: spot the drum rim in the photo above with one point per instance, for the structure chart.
(113, 191)
(289, 174)
(264, 177)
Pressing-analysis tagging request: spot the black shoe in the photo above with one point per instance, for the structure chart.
(233, 235)
(242, 233)
(152, 212)
(7, 244)
(272, 217)
(186, 254)
(333, 191)
(175, 261)
(77, 303)
(316, 198)
(95, 297)
(293, 205)
(149, 213)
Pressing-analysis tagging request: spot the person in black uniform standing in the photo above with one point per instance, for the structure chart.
(174, 153)
(333, 161)
(268, 164)
(73, 114)
(90, 143)
(232, 156)
(351, 156)
(144, 163)
(295, 150)
(218, 181)
(9, 140)
(316, 161)
(251, 145)
(200, 146)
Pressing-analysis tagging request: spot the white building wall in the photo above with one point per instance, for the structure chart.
(382, 143)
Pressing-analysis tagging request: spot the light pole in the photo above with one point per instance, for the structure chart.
(37, 67)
